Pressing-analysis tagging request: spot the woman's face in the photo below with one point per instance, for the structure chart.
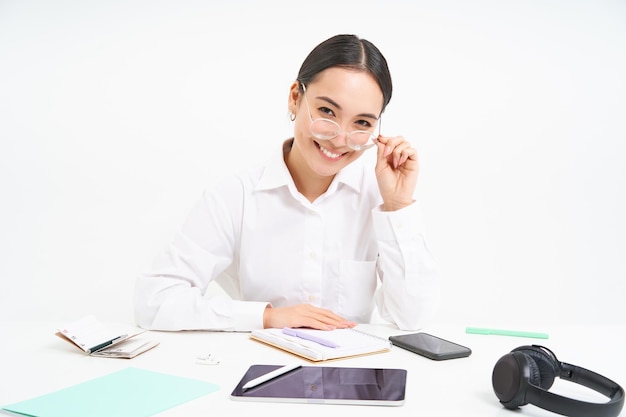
(352, 99)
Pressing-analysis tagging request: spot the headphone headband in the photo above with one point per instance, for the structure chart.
(524, 376)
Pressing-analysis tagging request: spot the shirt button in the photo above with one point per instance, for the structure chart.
(311, 298)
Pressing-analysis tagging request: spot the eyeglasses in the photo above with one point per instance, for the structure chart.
(326, 129)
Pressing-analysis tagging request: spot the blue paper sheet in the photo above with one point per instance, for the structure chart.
(130, 392)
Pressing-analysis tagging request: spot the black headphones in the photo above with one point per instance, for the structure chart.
(526, 374)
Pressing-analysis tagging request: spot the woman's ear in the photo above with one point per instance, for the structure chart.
(294, 96)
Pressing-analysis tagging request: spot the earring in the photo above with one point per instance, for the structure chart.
(292, 116)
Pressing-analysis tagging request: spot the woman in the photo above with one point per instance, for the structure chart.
(315, 237)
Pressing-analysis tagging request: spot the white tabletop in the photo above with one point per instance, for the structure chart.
(34, 362)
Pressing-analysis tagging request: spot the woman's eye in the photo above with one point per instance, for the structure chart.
(364, 124)
(326, 111)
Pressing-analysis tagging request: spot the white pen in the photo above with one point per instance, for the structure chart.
(269, 376)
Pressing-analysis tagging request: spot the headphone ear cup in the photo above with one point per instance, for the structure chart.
(535, 372)
(511, 376)
(545, 363)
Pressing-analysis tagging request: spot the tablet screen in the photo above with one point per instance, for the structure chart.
(324, 384)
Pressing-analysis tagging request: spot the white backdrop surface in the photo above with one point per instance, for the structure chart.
(115, 115)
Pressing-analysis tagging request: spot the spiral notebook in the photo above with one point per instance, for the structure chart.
(347, 342)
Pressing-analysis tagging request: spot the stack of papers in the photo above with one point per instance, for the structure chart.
(105, 339)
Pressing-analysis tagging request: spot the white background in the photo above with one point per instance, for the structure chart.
(115, 115)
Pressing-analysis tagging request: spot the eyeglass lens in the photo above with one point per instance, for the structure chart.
(327, 129)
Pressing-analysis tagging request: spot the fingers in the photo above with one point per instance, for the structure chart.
(395, 151)
(397, 169)
(319, 318)
(304, 315)
(328, 318)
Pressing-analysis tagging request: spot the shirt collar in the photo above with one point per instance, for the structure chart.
(276, 174)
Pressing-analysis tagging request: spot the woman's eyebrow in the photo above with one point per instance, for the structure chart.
(333, 103)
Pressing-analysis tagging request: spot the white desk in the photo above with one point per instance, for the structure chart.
(34, 362)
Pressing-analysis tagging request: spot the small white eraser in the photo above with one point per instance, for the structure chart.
(207, 359)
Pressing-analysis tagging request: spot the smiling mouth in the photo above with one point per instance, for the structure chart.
(328, 153)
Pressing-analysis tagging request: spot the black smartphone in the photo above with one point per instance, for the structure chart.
(430, 346)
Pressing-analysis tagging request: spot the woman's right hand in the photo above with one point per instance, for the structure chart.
(304, 315)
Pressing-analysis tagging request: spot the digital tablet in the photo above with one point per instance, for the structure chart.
(325, 385)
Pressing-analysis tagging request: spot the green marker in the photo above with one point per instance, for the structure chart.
(501, 332)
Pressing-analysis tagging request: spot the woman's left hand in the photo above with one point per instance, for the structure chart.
(397, 169)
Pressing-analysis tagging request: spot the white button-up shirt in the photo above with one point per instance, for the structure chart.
(265, 243)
